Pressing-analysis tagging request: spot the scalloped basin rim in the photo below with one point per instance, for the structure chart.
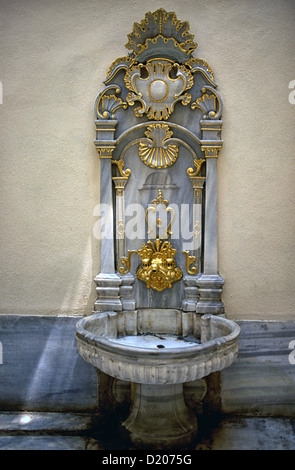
(102, 342)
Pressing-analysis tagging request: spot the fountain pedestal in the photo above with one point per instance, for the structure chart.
(159, 417)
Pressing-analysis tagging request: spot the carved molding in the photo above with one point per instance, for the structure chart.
(158, 86)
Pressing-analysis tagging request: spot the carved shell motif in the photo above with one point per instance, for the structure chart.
(156, 151)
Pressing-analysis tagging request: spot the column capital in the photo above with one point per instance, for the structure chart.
(105, 142)
(211, 151)
(211, 142)
(105, 151)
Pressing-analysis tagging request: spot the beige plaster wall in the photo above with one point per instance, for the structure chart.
(54, 57)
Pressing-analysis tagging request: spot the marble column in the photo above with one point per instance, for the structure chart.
(108, 283)
(210, 282)
(191, 288)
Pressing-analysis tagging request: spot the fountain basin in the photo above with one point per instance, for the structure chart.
(157, 346)
(158, 350)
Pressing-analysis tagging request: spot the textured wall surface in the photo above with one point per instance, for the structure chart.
(54, 57)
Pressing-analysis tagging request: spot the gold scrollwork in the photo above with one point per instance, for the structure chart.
(198, 165)
(107, 104)
(153, 208)
(202, 66)
(122, 63)
(158, 267)
(207, 104)
(126, 262)
(120, 165)
(210, 104)
(189, 261)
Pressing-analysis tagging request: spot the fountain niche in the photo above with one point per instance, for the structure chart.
(158, 321)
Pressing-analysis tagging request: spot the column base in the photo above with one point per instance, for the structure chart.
(108, 288)
(191, 294)
(159, 418)
(210, 290)
(126, 291)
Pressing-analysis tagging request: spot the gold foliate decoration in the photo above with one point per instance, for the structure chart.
(122, 63)
(105, 151)
(120, 165)
(210, 103)
(161, 29)
(156, 151)
(107, 102)
(158, 268)
(189, 261)
(158, 86)
(201, 66)
(207, 104)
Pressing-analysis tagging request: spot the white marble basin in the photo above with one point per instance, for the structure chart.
(157, 346)
(158, 350)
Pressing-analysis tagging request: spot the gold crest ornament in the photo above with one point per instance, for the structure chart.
(158, 86)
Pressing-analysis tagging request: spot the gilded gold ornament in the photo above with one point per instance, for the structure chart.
(158, 268)
(155, 151)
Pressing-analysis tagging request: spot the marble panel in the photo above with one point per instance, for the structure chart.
(41, 368)
(262, 380)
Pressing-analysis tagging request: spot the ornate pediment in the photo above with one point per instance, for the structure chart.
(159, 74)
(161, 32)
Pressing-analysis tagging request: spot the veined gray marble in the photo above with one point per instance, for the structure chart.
(262, 380)
(160, 120)
(43, 443)
(43, 371)
(41, 368)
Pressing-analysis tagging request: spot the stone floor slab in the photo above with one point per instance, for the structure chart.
(42, 443)
(251, 434)
(18, 422)
(66, 431)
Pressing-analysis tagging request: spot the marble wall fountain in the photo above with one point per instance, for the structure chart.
(158, 321)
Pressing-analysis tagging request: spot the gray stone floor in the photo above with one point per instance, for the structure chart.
(66, 431)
